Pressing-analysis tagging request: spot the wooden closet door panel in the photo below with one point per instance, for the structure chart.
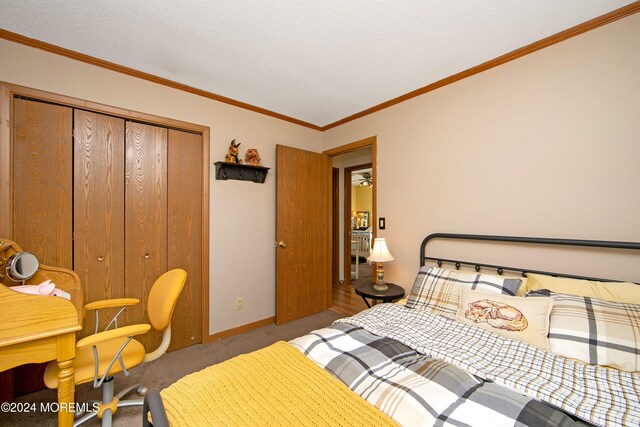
(185, 233)
(42, 181)
(99, 208)
(145, 218)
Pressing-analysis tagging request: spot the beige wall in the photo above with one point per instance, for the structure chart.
(547, 145)
(242, 257)
(363, 198)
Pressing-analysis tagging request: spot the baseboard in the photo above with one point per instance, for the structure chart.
(241, 329)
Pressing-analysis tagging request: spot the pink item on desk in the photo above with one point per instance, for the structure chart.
(45, 288)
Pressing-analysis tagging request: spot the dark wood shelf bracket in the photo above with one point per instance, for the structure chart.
(241, 172)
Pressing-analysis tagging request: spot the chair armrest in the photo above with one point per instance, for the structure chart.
(108, 303)
(126, 331)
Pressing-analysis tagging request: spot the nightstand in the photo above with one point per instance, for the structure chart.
(366, 290)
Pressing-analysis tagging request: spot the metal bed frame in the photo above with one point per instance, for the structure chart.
(527, 240)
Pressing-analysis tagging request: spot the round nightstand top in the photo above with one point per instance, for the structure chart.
(366, 290)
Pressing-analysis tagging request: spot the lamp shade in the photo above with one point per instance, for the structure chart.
(380, 251)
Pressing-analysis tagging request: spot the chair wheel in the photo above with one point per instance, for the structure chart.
(142, 390)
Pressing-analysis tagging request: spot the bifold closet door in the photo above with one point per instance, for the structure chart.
(145, 218)
(42, 181)
(42, 168)
(98, 220)
(118, 201)
(185, 233)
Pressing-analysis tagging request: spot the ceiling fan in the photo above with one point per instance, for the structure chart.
(367, 180)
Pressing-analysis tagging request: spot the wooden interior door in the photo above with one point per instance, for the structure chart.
(145, 218)
(303, 233)
(42, 181)
(185, 233)
(98, 220)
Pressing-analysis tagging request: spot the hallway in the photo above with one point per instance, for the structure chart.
(345, 300)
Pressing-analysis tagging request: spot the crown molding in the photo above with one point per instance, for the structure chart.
(48, 47)
(594, 23)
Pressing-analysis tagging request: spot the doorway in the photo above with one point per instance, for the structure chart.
(358, 153)
(357, 227)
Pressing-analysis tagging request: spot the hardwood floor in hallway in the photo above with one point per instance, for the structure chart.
(345, 299)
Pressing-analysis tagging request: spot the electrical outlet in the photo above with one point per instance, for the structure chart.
(239, 303)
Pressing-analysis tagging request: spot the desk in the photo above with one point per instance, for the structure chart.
(36, 329)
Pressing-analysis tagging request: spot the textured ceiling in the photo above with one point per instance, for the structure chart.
(316, 61)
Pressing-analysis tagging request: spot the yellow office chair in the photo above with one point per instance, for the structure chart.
(96, 355)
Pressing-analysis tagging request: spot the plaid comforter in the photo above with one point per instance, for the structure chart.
(424, 369)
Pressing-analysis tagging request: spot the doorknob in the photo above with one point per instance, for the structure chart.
(282, 244)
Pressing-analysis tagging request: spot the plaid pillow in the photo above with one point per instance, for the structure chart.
(594, 331)
(438, 290)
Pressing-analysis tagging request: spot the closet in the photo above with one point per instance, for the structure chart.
(117, 200)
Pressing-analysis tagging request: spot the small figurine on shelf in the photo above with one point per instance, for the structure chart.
(252, 157)
(232, 155)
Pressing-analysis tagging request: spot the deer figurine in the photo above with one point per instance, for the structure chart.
(232, 155)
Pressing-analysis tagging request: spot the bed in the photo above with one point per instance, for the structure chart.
(464, 350)
(361, 243)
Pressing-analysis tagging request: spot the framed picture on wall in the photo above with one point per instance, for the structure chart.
(362, 220)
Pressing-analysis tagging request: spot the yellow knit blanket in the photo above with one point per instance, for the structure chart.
(276, 385)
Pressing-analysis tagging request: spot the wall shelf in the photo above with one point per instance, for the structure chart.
(241, 172)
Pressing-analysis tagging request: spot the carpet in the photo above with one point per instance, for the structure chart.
(168, 369)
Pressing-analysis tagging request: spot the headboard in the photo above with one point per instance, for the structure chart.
(528, 240)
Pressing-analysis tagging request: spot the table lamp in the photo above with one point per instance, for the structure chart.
(380, 254)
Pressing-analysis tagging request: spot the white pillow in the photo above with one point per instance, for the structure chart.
(438, 289)
(516, 318)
